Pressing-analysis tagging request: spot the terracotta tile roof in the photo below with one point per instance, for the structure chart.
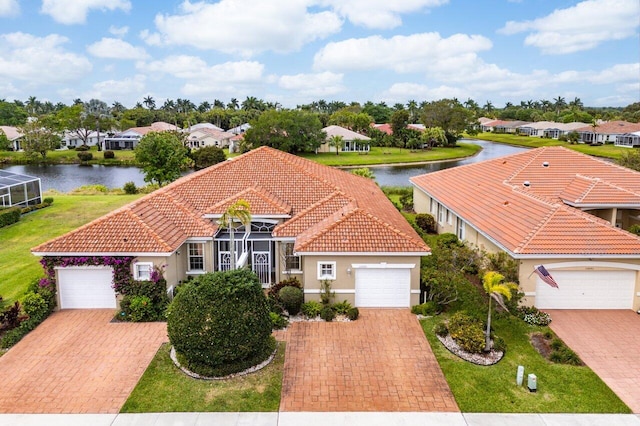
(534, 220)
(275, 183)
(611, 127)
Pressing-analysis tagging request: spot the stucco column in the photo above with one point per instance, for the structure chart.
(614, 216)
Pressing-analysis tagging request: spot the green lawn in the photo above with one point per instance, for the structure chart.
(561, 388)
(379, 155)
(123, 158)
(19, 266)
(606, 151)
(164, 388)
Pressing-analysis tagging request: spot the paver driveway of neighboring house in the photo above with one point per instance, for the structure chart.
(609, 343)
(77, 362)
(381, 362)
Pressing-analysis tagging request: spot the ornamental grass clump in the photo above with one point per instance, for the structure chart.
(219, 323)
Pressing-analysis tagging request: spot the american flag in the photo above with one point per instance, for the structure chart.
(545, 276)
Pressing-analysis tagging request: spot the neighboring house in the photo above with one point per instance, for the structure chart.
(548, 129)
(386, 127)
(606, 132)
(206, 136)
(240, 129)
(309, 221)
(72, 139)
(204, 126)
(13, 135)
(130, 138)
(19, 190)
(548, 206)
(353, 142)
(629, 140)
(508, 126)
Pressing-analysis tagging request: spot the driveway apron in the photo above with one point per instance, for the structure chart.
(77, 362)
(609, 343)
(381, 362)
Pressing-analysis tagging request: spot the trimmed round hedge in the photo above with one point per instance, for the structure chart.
(219, 323)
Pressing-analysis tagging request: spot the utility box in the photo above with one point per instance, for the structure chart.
(520, 375)
(532, 383)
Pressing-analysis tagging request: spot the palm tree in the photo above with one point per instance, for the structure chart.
(496, 288)
(412, 106)
(488, 106)
(233, 104)
(240, 211)
(559, 103)
(337, 141)
(149, 102)
(204, 106)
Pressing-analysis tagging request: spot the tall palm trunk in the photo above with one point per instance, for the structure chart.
(487, 337)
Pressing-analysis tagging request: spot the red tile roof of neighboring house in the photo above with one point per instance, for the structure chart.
(275, 183)
(537, 219)
(612, 128)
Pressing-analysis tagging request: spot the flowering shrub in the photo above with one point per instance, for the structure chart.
(531, 315)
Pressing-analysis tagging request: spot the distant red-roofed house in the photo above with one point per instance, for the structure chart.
(203, 137)
(309, 221)
(549, 206)
(606, 132)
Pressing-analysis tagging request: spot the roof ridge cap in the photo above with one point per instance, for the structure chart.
(312, 207)
(536, 230)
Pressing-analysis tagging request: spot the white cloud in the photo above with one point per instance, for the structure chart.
(617, 73)
(319, 84)
(402, 54)
(245, 27)
(203, 79)
(75, 11)
(581, 27)
(9, 7)
(118, 31)
(380, 14)
(24, 57)
(152, 39)
(115, 48)
(401, 92)
(127, 89)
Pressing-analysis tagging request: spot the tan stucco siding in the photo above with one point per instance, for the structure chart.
(421, 201)
(528, 279)
(345, 281)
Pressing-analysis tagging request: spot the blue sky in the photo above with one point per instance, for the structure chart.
(298, 51)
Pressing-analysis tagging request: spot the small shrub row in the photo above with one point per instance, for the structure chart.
(85, 156)
(9, 216)
(130, 188)
(45, 203)
(425, 309)
(82, 148)
(109, 155)
(533, 316)
(279, 321)
(426, 223)
(467, 332)
(311, 309)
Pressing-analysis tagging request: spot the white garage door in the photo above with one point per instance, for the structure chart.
(587, 290)
(86, 288)
(383, 288)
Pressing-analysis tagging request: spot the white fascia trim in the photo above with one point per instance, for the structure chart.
(285, 239)
(383, 265)
(414, 291)
(83, 267)
(355, 253)
(575, 256)
(264, 216)
(530, 293)
(601, 206)
(198, 240)
(613, 265)
(85, 254)
(337, 291)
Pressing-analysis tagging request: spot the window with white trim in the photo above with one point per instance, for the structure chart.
(292, 261)
(460, 232)
(142, 271)
(432, 206)
(195, 254)
(441, 214)
(449, 217)
(326, 270)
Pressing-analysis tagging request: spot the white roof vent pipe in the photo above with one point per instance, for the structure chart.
(526, 183)
(545, 164)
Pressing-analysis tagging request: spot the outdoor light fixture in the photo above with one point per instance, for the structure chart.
(348, 271)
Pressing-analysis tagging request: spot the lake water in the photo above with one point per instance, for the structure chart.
(66, 177)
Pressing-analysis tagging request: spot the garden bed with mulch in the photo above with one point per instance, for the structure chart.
(483, 358)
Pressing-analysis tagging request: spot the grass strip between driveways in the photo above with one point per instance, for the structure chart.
(492, 389)
(164, 388)
(18, 266)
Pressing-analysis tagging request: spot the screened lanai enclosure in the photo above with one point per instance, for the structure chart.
(19, 190)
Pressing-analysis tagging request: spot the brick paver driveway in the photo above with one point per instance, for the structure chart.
(609, 343)
(77, 362)
(381, 362)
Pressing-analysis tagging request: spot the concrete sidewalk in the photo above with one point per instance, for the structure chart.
(320, 419)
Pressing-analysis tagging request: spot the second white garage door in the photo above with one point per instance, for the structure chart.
(587, 290)
(86, 288)
(383, 288)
